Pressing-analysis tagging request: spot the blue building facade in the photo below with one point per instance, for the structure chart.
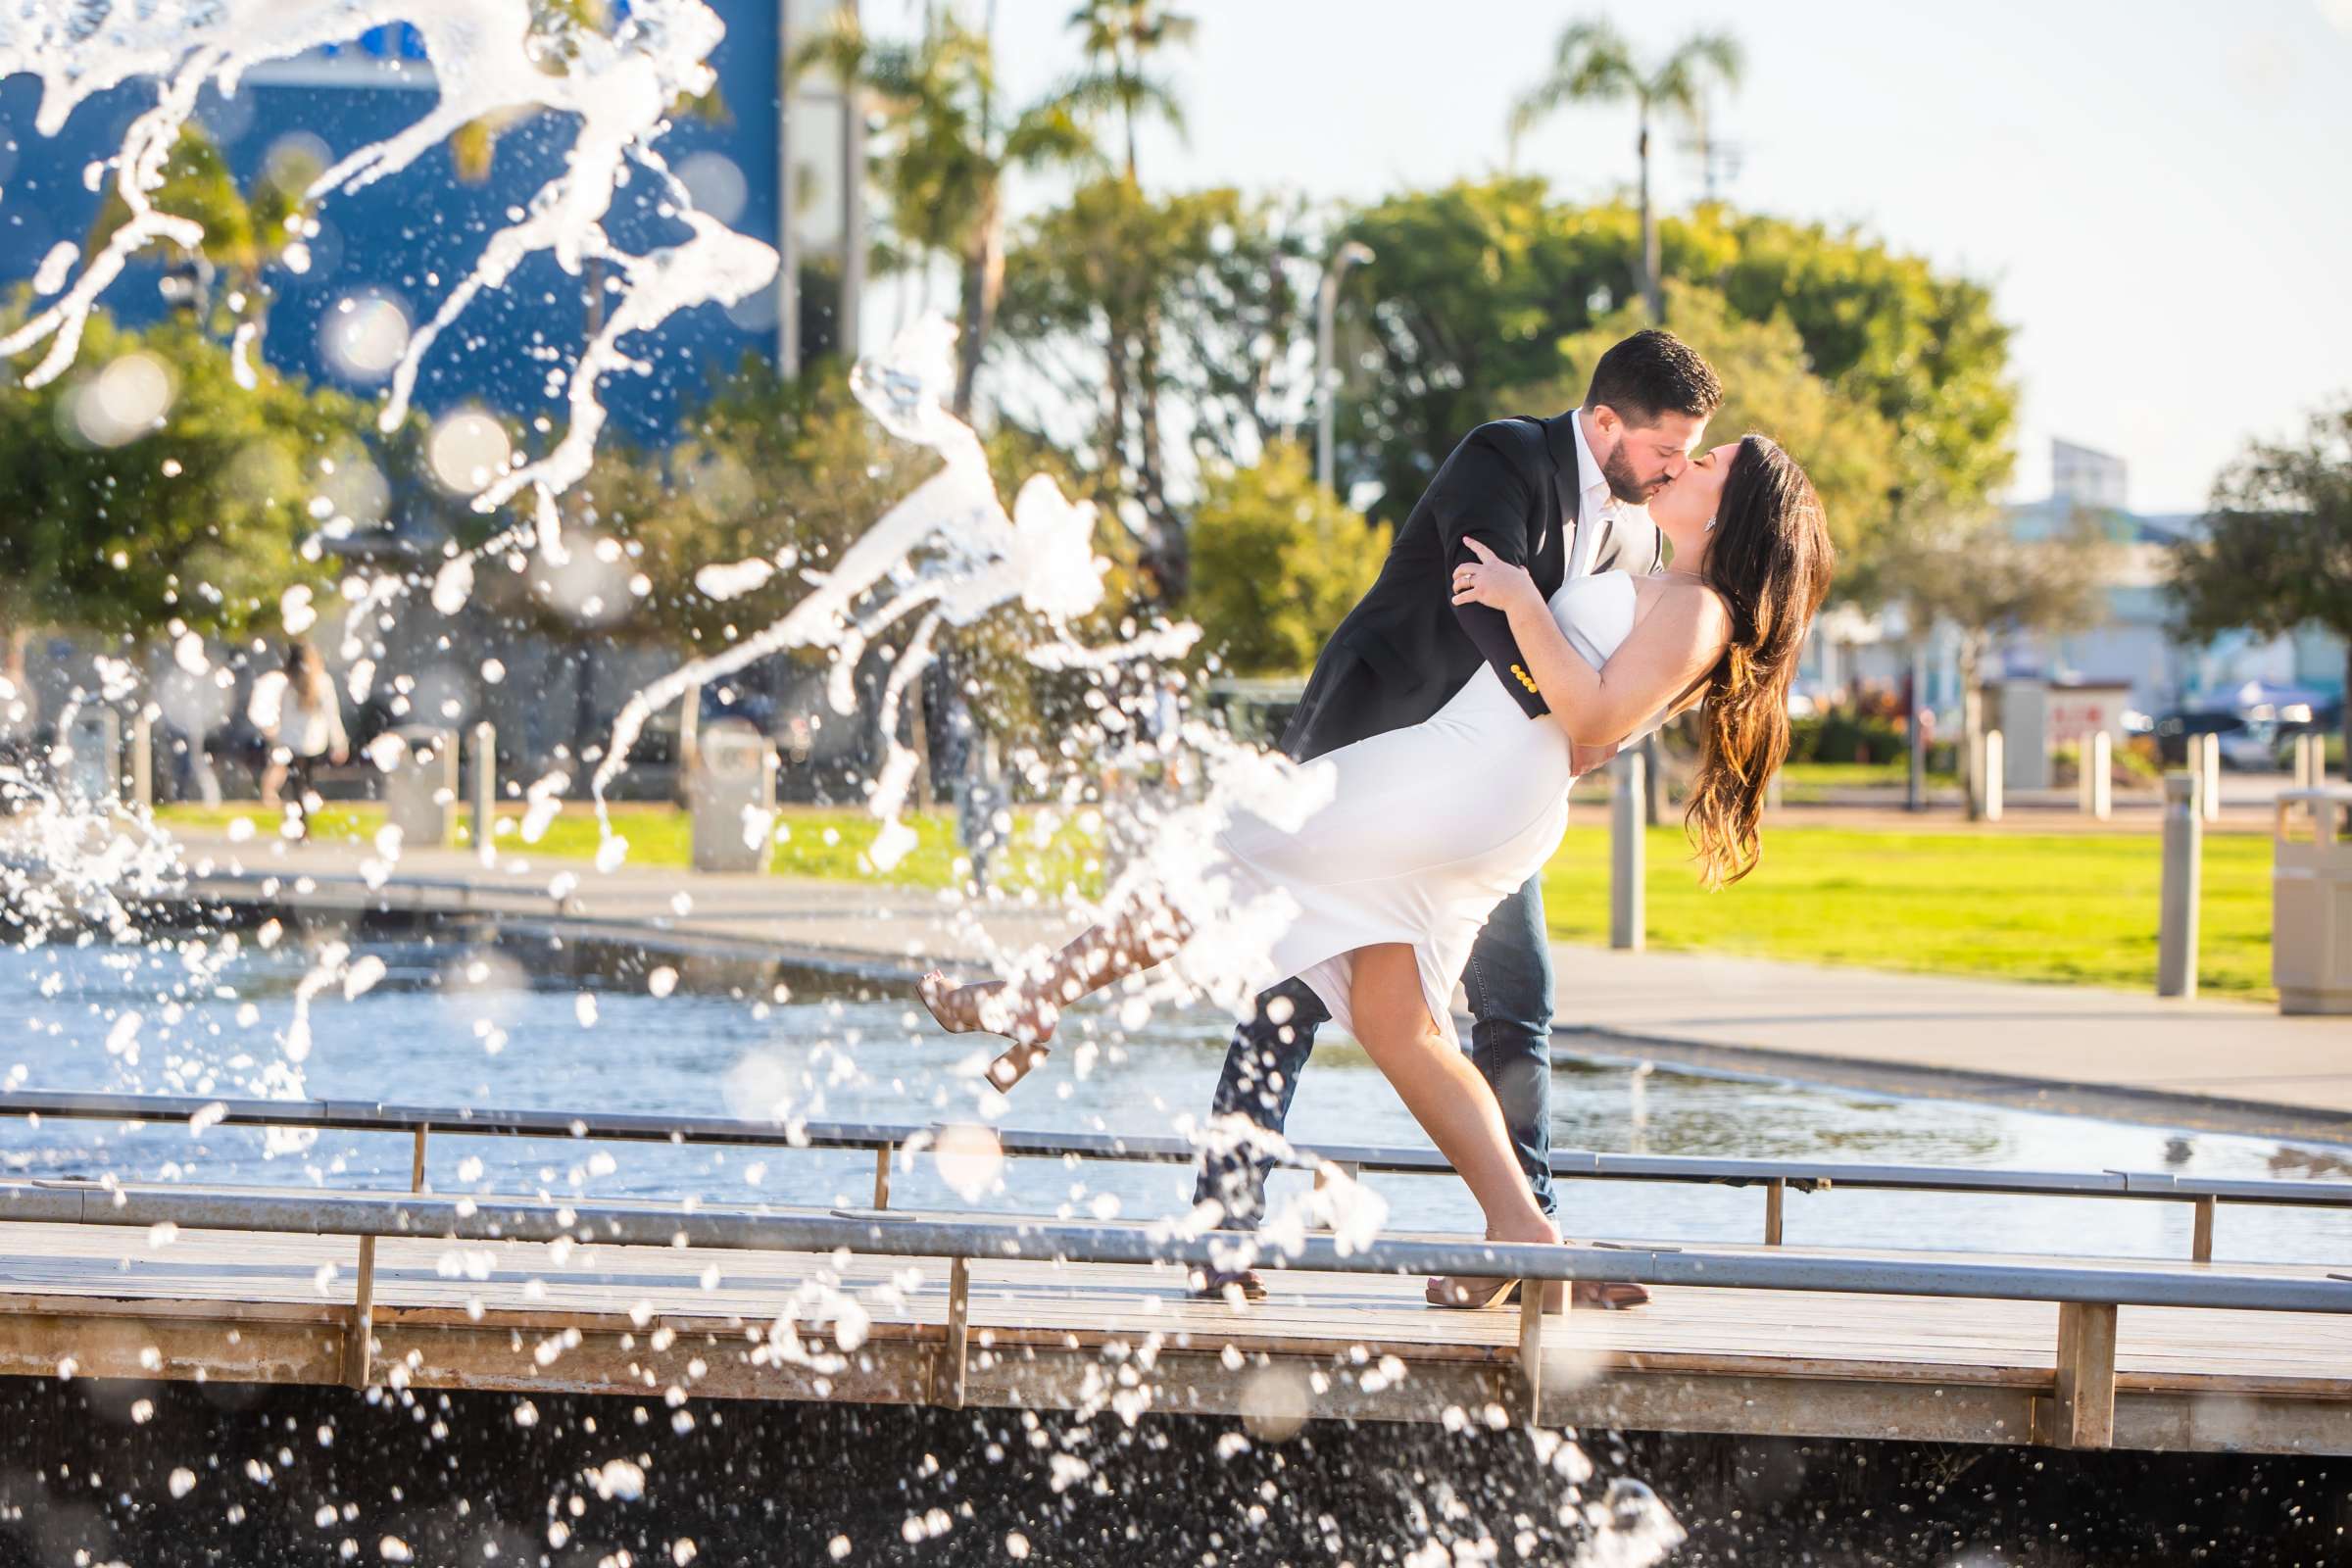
(410, 237)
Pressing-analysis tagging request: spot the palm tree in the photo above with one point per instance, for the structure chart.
(949, 151)
(245, 231)
(1593, 64)
(1120, 39)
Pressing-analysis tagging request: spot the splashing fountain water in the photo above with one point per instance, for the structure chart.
(943, 557)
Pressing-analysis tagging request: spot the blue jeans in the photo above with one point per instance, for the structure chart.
(1509, 985)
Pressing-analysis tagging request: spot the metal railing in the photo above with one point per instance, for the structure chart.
(2087, 1297)
(2204, 1195)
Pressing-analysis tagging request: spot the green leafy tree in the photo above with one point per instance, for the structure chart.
(1477, 286)
(791, 472)
(947, 149)
(150, 488)
(1193, 298)
(1280, 561)
(1846, 446)
(2276, 550)
(1593, 64)
(244, 230)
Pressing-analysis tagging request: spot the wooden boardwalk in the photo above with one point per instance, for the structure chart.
(674, 1326)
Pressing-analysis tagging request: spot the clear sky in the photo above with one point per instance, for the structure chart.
(2157, 192)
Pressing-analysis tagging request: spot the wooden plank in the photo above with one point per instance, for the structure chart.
(1756, 1361)
(2082, 1408)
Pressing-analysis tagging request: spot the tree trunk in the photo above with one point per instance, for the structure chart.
(983, 288)
(2347, 707)
(1972, 721)
(1651, 289)
(1173, 569)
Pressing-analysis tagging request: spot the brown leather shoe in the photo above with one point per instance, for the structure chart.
(1474, 1294)
(1221, 1285)
(1610, 1295)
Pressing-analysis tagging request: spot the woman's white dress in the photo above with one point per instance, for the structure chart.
(1426, 828)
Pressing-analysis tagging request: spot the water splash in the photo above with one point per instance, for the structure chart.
(949, 550)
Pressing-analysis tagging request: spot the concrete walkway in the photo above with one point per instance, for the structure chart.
(2221, 1064)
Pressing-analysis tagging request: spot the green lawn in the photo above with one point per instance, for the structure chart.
(1808, 782)
(2016, 905)
(821, 843)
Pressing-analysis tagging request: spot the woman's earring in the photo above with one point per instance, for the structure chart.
(1710, 527)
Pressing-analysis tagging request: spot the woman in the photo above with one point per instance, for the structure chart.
(1429, 826)
(309, 727)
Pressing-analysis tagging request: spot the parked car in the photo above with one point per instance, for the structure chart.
(2172, 731)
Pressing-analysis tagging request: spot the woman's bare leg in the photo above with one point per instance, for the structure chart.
(1028, 1007)
(1445, 1094)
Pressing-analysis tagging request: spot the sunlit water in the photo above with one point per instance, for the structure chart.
(452, 1024)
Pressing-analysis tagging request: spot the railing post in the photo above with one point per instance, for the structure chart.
(1323, 1175)
(950, 1390)
(1776, 1195)
(2083, 1405)
(484, 790)
(1625, 922)
(2200, 1243)
(416, 1161)
(882, 1158)
(1530, 1346)
(358, 1348)
(2177, 921)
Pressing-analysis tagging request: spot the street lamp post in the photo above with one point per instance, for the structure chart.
(1327, 390)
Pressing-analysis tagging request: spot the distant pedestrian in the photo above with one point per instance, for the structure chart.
(306, 727)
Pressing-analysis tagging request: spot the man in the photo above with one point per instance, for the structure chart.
(1548, 495)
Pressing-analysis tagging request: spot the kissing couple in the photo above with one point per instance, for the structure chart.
(1563, 588)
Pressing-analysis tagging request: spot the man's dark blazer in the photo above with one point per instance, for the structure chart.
(1404, 649)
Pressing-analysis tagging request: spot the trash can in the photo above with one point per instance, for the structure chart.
(420, 787)
(2311, 901)
(731, 796)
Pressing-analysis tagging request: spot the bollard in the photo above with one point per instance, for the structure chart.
(1625, 922)
(484, 792)
(2209, 776)
(420, 790)
(2098, 776)
(143, 759)
(2176, 920)
(733, 799)
(2311, 762)
(1994, 762)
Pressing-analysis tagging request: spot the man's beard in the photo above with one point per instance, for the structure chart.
(1625, 485)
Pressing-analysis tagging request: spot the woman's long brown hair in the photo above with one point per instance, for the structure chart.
(1771, 561)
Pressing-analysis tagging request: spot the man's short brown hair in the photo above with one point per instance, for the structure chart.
(1654, 374)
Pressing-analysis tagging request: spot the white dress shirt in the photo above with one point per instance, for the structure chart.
(1593, 503)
